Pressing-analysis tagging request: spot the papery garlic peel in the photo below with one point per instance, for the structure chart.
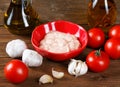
(15, 48)
(77, 67)
(32, 58)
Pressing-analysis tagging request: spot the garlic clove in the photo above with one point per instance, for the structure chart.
(45, 79)
(78, 68)
(57, 74)
(71, 67)
(84, 68)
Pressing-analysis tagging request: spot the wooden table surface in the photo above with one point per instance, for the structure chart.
(51, 10)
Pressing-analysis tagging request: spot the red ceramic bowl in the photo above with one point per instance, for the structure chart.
(62, 26)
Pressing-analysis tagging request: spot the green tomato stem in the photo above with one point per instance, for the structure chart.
(97, 52)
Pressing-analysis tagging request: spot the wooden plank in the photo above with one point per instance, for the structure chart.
(51, 10)
(4, 31)
(12, 37)
(109, 78)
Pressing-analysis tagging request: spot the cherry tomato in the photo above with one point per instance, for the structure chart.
(16, 71)
(97, 61)
(112, 48)
(114, 31)
(96, 38)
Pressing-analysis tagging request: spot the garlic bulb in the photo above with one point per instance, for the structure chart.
(32, 58)
(45, 79)
(77, 67)
(15, 48)
(57, 74)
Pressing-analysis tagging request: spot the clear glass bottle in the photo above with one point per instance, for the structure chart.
(21, 18)
(102, 13)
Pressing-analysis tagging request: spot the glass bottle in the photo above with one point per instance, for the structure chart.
(21, 18)
(102, 14)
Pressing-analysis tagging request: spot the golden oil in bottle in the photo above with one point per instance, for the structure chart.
(21, 18)
(102, 14)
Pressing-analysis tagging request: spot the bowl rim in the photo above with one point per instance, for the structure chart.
(78, 49)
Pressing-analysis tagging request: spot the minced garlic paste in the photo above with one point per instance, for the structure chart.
(59, 42)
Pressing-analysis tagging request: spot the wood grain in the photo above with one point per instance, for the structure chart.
(50, 10)
(109, 78)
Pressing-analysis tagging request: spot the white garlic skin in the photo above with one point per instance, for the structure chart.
(57, 74)
(71, 67)
(77, 67)
(15, 48)
(31, 58)
(45, 79)
(84, 68)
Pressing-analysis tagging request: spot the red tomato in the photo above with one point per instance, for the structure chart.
(112, 48)
(16, 71)
(96, 38)
(97, 61)
(114, 31)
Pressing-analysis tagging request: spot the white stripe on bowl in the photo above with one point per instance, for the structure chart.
(53, 26)
(47, 29)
